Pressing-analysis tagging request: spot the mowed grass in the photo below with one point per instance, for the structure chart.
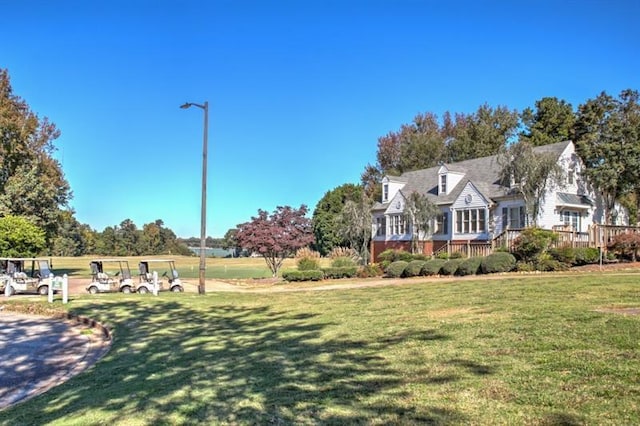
(538, 350)
(188, 267)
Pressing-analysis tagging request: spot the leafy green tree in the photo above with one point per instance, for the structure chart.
(529, 174)
(419, 212)
(20, 238)
(481, 134)
(326, 214)
(551, 122)
(72, 238)
(607, 136)
(32, 183)
(355, 225)
(230, 242)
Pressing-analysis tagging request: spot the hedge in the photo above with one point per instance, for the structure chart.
(450, 266)
(414, 268)
(432, 267)
(340, 272)
(310, 275)
(396, 269)
(498, 262)
(470, 266)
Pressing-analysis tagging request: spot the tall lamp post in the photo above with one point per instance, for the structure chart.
(203, 213)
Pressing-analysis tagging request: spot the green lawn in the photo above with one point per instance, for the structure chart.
(513, 351)
(188, 267)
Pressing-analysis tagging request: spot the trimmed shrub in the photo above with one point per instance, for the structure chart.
(305, 275)
(498, 262)
(546, 263)
(340, 272)
(396, 269)
(450, 266)
(432, 267)
(533, 242)
(566, 255)
(368, 271)
(413, 268)
(470, 266)
(587, 255)
(343, 262)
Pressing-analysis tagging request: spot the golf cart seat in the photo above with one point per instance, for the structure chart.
(102, 277)
(20, 275)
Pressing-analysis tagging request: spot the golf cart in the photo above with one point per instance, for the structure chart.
(103, 282)
(145, 284)
(25, 275)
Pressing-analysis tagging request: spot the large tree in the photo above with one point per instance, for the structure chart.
(607, 136)
(417, 145)
(32, 183)
(529, 174)
(552, 121)
(276, 236)
(20, 238)
(482, 133)
(325, 219)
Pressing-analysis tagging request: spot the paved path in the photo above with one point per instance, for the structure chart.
(37, 353)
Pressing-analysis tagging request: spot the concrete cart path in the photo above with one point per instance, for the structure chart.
(37, 353)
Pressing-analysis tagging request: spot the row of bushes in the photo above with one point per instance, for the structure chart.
(321, 274)
(494, 263)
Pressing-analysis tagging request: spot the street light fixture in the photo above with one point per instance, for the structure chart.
(203, 213)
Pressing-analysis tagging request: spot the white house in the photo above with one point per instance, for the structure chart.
(476, 207)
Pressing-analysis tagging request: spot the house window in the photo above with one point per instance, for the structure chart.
(471, 221)
(513, 217)
(442, 223)
(571, 219)
(570, 176)
(443, 184)
(385, 192)
(398, 225)
(381, 226)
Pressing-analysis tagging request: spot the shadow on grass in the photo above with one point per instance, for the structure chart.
(233, 364)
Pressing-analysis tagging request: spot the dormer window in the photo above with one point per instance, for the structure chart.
(443, 184)
(385, 192)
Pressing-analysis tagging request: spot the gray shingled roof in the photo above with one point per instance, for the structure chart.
(482, 172)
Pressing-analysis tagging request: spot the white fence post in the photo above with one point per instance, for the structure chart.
(155, 283)
(65, 289)
(50, 297)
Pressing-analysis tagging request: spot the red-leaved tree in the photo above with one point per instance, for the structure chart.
(276, 236)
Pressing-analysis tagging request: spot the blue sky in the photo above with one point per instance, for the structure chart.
(299, 91)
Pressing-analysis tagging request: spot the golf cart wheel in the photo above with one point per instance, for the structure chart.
(177, 289)
(143, 290)
(93, 290)
(126, 290)
(43, 290)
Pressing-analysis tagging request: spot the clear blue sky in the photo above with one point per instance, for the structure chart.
(299, 91)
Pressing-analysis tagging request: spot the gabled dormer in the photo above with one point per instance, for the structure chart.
(448, 179)
(390, 187)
